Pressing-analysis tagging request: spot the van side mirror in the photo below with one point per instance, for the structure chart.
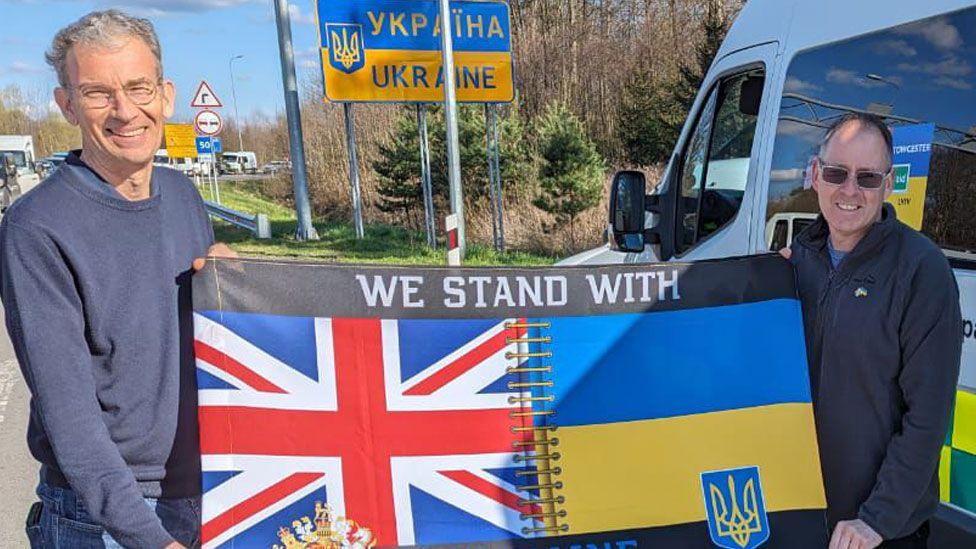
(627, 197)
(628, 205)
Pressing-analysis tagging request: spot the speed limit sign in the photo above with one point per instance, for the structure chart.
(208, 123)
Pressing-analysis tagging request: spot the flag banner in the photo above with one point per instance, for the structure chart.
(617, 406)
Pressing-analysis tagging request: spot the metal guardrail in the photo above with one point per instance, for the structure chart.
(256, 223)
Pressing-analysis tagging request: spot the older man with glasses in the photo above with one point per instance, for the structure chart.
(883, 332)
(95, 268)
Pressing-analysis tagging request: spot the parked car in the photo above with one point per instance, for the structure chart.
(277, 166)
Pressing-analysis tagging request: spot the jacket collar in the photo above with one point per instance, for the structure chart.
(815, 238)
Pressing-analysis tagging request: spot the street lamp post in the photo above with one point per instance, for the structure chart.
(233, 91)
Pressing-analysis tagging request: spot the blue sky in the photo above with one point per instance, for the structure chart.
(198, 38)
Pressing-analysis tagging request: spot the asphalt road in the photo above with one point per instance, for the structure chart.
(18, 470)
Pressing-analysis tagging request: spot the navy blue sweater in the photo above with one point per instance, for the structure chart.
(95, 290)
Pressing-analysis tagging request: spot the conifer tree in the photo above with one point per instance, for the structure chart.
(398, 165)
(571, 171)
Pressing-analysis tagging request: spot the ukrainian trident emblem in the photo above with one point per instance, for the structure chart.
(735, 508)
(346, 47)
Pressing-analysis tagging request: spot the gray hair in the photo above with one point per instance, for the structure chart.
(101, 28)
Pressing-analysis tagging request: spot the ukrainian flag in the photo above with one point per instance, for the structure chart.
(649, 404)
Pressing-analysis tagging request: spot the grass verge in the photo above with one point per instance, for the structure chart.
(337, 241)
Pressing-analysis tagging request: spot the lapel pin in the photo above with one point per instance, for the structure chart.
(861, 292)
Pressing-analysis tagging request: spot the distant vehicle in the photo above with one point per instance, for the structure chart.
(9, 189)
(55, 161)
(21, 149)
(240, 162)
(782, 228)
(44, 167)
(277, 166)
(187, 166)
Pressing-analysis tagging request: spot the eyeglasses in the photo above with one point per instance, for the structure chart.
(837, 175)
(98, 97)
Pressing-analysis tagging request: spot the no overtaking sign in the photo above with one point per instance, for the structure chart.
(208, 123)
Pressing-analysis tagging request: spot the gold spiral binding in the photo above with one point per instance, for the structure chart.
(541, 369)
(546, 354)
(543, 428)
(516, 400)
(550, 441)
(528, 384)
(534, 427)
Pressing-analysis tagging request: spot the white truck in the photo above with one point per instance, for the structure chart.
(737, 184)
(21, 149)
(239, 162)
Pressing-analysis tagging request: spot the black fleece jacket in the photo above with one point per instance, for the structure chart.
(884, 337)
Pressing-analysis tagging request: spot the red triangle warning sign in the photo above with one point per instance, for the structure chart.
(205, 97)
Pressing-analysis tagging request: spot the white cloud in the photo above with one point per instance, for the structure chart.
(849, 77)
(298, 17)
(795, 85)
(309, 64)
(295, 14)
(951, 66)
(19, 67)
(311, 52)
(895, 47)
(163, 8)
(954, 83)
(939, 32)
(799, 130)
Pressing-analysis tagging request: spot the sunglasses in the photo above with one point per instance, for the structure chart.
(866, 179)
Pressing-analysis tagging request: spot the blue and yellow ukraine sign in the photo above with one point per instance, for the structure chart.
(912, 152)
(390, 51)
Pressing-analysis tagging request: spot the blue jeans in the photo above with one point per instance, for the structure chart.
(63, 522)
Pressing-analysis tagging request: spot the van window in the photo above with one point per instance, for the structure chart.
(715, 164)
(921, 77)
(780, 235)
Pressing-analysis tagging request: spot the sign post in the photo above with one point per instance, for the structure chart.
(208, 123)
(303, 210)
(357, 209)
(408, 55)
(430, 222)
(494, 177)
(450, 122)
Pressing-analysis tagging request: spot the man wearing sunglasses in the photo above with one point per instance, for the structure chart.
(95, 268)
(883, 333)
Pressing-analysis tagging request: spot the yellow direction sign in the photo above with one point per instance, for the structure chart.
(390, 51)
(181, 140)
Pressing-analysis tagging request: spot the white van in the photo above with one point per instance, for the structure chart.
(786, 70)
(21, 149)
(239, 162)
(186, 166)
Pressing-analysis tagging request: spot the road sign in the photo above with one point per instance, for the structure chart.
(204, 145)
(208, 123)
(205, 97)
(396, 56)
(207, 145)
(180, 140)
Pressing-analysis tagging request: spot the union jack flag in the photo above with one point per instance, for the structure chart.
(403, 426)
